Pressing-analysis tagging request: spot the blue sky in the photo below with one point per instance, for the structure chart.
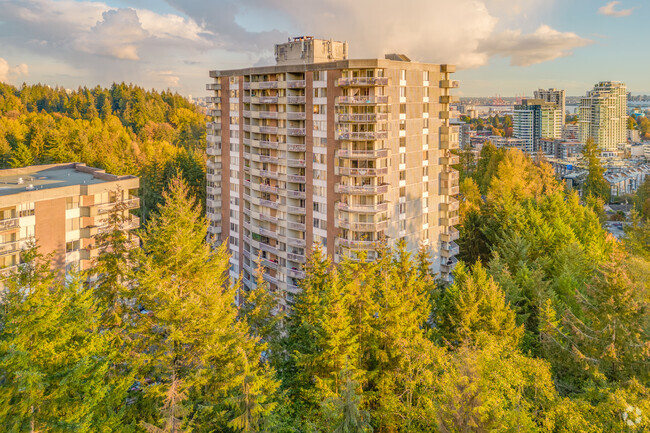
(505, 47)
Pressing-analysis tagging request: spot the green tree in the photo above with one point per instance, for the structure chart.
(595, 184)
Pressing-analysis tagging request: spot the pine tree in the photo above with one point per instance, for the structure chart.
(193, 349)
(595, 184)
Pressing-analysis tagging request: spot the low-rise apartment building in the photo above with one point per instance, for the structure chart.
(60, 207)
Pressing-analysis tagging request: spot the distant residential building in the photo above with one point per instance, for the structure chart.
(561, 149)
(324, 150)
(509, 143)
(602, 116)
(535, 119)
(571, 131)
(62, 207)
(633, 136)
(554, 96)
(628, 181)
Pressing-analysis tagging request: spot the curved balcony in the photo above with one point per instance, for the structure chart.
(362, 208)
(362, 118)
(448, 265)
(362, 154)
(366, 135)
(452, 234)
(450, 220)
(452, 205)
(347, 171)
(363, 227)
(362, 81)
(346, 100)
(361, 189)
(449, 249)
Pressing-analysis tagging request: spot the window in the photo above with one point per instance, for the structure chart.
(425, 108)
(425, 171)
(425, 155)
(402, 208)
(425, 202)
(425, 76)
(402, 125)
(402, 191)
(402, 225)
(71, 202)
(402, 175)
(402, 158)
(402, 108)
(72, 224)
(402, 92)
(426, 92)
(71, 246)
(316, 222)
(426, 123)
(402, 74)
(234, 227)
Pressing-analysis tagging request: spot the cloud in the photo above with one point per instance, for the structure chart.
(7, 72)
(543, 45)
(117, 35)
(610, 10)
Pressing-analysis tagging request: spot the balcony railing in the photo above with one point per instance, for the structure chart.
(347, 171)
(452, 234)
(268, 188)
(268, 114)
(363, 227)
(296, 99)
(447, 265)
(266, 158)
(362, 99)
(298, 258)
(267, 84)
(213, 86)
(450, 159)
(296, 178)
(450, 220)
(296, 226)
(296, 147)
(368, 154)
(8, 224)
(270, 203)
(449, 249)
(268, 144)
(448, 84)
(296, 163)
(269, 174)
(296, 84)
(295, 242)
(361, 189)
(362, 208)
(298, 132)
(296, 210)
(269, 129)
(8, 271)
(9, 248)
(131, 203)
(347, 243)
(451, 206)
(268, 99)
(296, 273)
(449, 175)
(296, 115)
(449, 189)
(366, 135)
(296, 194)
(362, 118)
(362, 81)
(268, 233)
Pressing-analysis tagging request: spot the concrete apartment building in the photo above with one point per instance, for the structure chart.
(61, 207)
(535, 119)
(322, 149)
(602, 115)
(554, 96)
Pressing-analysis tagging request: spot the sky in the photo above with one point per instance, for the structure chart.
(501, 47)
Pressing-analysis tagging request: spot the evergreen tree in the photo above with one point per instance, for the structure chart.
(595, 184)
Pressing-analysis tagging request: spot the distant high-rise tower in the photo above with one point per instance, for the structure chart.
(534, 119)
(602, 115)
(554, 96)
(321, 149)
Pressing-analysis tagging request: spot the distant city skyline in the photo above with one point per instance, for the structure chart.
(504, 48)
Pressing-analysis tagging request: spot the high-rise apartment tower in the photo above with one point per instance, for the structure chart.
(554, 96)
(321, 149)
(602, 115)
(535, 119)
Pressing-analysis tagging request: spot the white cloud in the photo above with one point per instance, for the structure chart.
(610, 10)
(117, 35)
(7, 72)
(543, 45)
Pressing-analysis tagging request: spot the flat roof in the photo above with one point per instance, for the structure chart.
(40, 177)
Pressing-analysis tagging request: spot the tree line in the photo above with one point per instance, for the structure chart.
(123, 129)
(544, 329)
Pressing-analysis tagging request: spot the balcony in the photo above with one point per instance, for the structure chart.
(8, 224)
(265, 158)
(296, 242)
(269, 174)
(268, 248)
(268, 129)
(296, 178)
(296, 115)
(362, 154)
(452, 234)
(451, 206)
(367, 135)
(449, 189)
(266, 144)
(267, 84)
(270, 203)
(447, 265)
(214, 230)
(362, 245)
(448, 142)
(296, 257)
(267, 114)
(347, 171)
(296, 163)
(450, 220)
(269, 279)
(363, 227)
(8, 271)
(132, 203)
(448, 99)
(268, 99)
(265, 217)
(361, 189)
(296, 84)
(345, 100)
(296, 226)
(451, 159)
(9, 248)
(214, 99)
(213, 86)
(295, 194)
(362, 118)
(296, 210)
(449, 249)
(362, 208)
(449, 175)
(449, 84)
(362, 81)
(268, 188)
(296, 132)
(213, 151)
(267, 233)
(296, 99)
(296, 147)
(269, 264)
(214, 112)
(295, 273)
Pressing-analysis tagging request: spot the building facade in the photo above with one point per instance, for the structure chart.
(554, 96)
(60, 207)
(535, 119)
(344, 154)
(602, 116)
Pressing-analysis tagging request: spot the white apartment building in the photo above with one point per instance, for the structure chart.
(554, 96)
(602, 115)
